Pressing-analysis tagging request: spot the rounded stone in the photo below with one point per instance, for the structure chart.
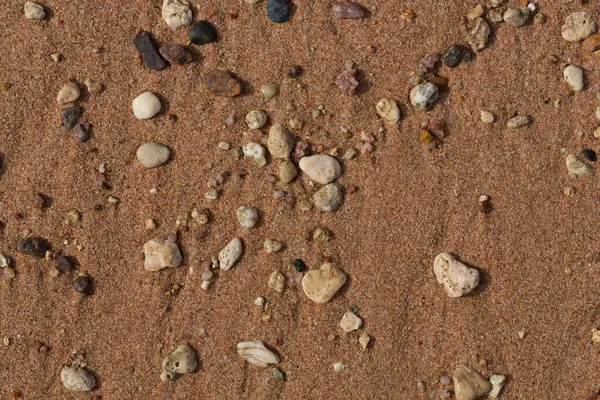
(83, 285)
(388, 110)
(269, 90)
(348, 10)
(457, 278)
(33, 246)
(77, 379)
(34, 10)
(230, 254)
(518, 122)
(247, 216)
(146, 105)
(176, 13)
(203, 32)
(517, 17)
(153, 154)
(278, 11)
(424, 95)
(578, 26)
(321, 168)
(287, 171)
(590, 155)
(453, 55)
(574, 77)
(68, 93)
(256, 119)
(272, 246)
(181, 361)
(280, 142)
(329, 198)
(256, 152)
(486, 117)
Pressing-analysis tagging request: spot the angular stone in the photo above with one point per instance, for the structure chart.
(222, 83)
(176, 54)
(457, 278)
(348, 10)
(469, 384)
(478, 37)
(181, 361)
(320, 285)
(592, 43)
(70, 116)
(576, 167)
(161, 254)
(578, 26)
(350, 322)
(145, 46)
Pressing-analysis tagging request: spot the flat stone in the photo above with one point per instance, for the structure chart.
(321, 168)
(81, 133)
(469, 384)
(320, 285)
(77, 379)
(68, 93)
(280, 142)
(574, 77)
(70, 116)
(518, 122)
(146, 105)
(203, 32)
(348, 10)
(423, 96)
(287, 171)
(176, 54)
(388, 110)
(222, 83)
(329, 198)
(33, 246)
(592, 43)
(161, 254)
(34, 11)
(576, 167)
(350, 322)
(247, 216)
(578, 26)
(153, 154)
(144, 43)
(230, 254)
(278, 11)
(479, 35)
(176, 13)
(457, 278)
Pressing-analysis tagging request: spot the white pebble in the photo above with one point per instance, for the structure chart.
(161, 254)
(68, 93)
(153, 154)
(487, 117)
(269, 90)
(350, 322)
(259, 301)
(146, 105)
(247, 216)
(256, 152)
(256, 119)
(321, 168)
(77, 378)
(497, 382)
(457, 278)
(181, 361)
(388, 110)
(229, 255)
(176, 13)
(34, 11)
(339, 367)
(256, 353)
(574, 77)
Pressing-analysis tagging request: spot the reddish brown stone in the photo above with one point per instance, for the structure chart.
(176, 54)
(222, 83)
(592, 43)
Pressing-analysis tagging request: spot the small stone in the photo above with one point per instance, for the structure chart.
(578, 26)
(453, 56)
(277, 281)
(295, 124)
(56, 57)
(457, 278)
(388, 110)
(576, 167)
(181, 361)
(287, 171)
(272, 246)
(322, 234)
(517, 17)
(574, 77)
(176, 13)
(469, 384)
(34, 11)
(205, 285)
(348, 10)
(93, 87)
(33, 246)
(518, 121)
(497, 382)
(350, 322)
(329, 198)
(589, 154)
(150, 224)
(278, 11)
(224, 145)
(146, 105)
(81, 133)
(153, 154)
(424, 95)
(321, 168)
(364, 340)
(222, 83)
(347, 81)
(203, 32)
(256, 353)
(144, 44)
(476, 12)
(9, 273)
(487, 117)
(230, 254)
(161, 254)
(350, 154)
(247, 216)
(478, 37)
(176, 54)
(269, 90)
(68, 93)
(591, 43)
(77, 379)
(256, 152)
(339, 367)
(70, 116)
(539, 19)
(320, 285)
(259, 301)
(299, 265)
(256, 119)
(83, 285)
(495, 16)
(280, 142)
(73, 218)
(278, 374)
(4, 261)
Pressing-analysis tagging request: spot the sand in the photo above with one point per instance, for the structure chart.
(535, 250)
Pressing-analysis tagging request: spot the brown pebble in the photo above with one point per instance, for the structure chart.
(592, 43)
(38, 201)
(222, 83)
(176, 54)
(348, 10)
(81, 132)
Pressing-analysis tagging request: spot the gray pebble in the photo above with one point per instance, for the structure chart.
(328, 198)
(424, 95)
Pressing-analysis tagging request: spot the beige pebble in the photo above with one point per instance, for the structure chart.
(77, 379)
(181, 361)
(269, 90)
(295, 124)
(73, 218)
(280, 142)
(256, 119)
(93, 87)
(321, 168)
(256, 353)
(469, 384)
(329, 198)
(320, 285)
(150, 224)
(339, 367)
(255, 152)
(476, 12)
(230, 254)
(277, 281)
(497, 382)
(176, 13)
(161, 254)
(287, 171)
(486, 117)
(350, 322)
(518, 121)
(576, 167)
(457, 278)
(364, 340)
(34, 11)
(272, 246)
(68, 93)
(388, 110)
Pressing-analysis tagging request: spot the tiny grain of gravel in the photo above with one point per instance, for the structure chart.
(411, 204)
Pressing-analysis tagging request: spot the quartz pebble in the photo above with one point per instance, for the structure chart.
(222, 83)
(77, 378)
(280, 142)
(176, 13)
(146, 105)
(578, 26)
(230, 254)
(350, 322)
(277, 281)
(424, 95)
(348, 10)
(247, 216)
(486, 117)
(272, 246)
(576, 167)
(388, 110)
(287, 171)
(328, 198)
(321, 168)
(497, 382)
(518, 122)
(256, 152)
(144, 44)
(338, 367)
(153, 154)
(159, 254)
(256, 119)
(68, 93)
(574, 77)
(33, 246)
(476, 12)
(269, 90)
(176, 54)
(453, 56)
(320, 285)
(203, 32)
(256, 353)
(592, 43)
(478, 36)
(517, 17)
(278, 11)
(70, 116)
(469, 384)
(181, 361)
(34, 10)
(457, 278)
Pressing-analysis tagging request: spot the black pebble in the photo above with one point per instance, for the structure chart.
(203, 32)
(590, 155)
(453, 55)
(83, 285)
(299, 265)
(294, 72)
(70, 116)
(64, 264)
(278, 11)
(33, 246)
(145, 46)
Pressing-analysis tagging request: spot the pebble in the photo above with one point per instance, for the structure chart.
(33, 246)
(364, 340)
(68, 93)
(93, 87)
(591, 43)
(256, 119)
(278, 11)
(146, 105)
(256, 152)
(322, 234)
(445, 380)
(321, 168)
(486, 117)
(9, 273)
(338, 367)
(272, 246)
(576, 167)
(478, 37)
(222, 83)
(70, 116)
(350, 153)
(589, 155)
(347, 81)
(176, 13)
(34, 11)
(247, 216)
(320, 285)
(150, 224)
(497, 382)
(299, 265)
(348, 10)
(256, 353)
(457, 278)
(518, 121)
(77, 379)
(350, 322)
(230, 254)
(280, 142)
(278, 374)
(328, 198)
(469, 384)
(224, 145)
(203, 32)
(388, 110)
(539, 19)
(159, 254)
(476, 12)
(517, 17)
(176, 54)
(277, 282)
(287, 171)
(453, 55)
(495, 16)
(83, 285)
(81, 133)
(269, 90)
(73, 218)
(153, 154)
(424, 95)
(180, 362)
(578, 26)
(144, 44)
(574, 77)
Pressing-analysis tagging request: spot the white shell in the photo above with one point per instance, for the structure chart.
(255, 352)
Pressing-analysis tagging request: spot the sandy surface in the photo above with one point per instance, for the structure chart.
(535, 249)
